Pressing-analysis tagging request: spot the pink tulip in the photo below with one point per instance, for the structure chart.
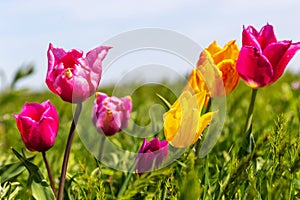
(263, 59)
(111, 114)
(151, 155)
(38, 125)
(73, 77)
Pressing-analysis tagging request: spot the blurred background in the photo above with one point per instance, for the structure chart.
(27, 28)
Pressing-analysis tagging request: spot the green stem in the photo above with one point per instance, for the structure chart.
(125, 183)
(67, 152)
(250, 112)
(49, 173)
(102, 143)
(197, 145)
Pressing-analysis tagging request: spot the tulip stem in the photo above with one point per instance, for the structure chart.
(125, 183)
(49, 173)
(198, 143)
(102, 143)
(67, 152)
(250, 112)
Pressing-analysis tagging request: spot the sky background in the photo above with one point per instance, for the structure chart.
(27, 27)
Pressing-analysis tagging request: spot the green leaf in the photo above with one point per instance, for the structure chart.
(34, 171)
(22, 72)
(10, 171)
(164, 100)
(42, 190)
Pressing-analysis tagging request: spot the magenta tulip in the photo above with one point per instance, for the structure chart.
(38, 125)
(263, 59)
(111, 114)
(73, 77)
(151, 155)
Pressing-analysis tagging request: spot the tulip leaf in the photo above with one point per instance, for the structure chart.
(33, 170)
(166, 102)
(22, 72)
(10, 171)
(42, 190)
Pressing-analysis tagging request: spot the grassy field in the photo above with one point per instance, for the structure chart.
(270, 171)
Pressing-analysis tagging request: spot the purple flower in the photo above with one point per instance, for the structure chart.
(151, 155)
(73, 77)
(38, 125)
(111, 114)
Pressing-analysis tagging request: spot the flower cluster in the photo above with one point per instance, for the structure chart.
(75, 78)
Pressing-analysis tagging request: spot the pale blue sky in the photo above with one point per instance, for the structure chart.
(27, 27)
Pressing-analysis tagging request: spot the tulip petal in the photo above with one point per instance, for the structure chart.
(230, 76)
(57, 54)
(275, 51)
(254, 68)
(38, 132)
(189, 120)
(96, 56)
(43, 136)
(203, 123)
(111, 114)
(214, 48)
(151, 155)
(171, 124)
(266, 36)
(196, 83)
(187, 130)
(285, 59)
(33, 111)
(249, 37)
(25, 125)
(80, 91)
(126, 107)
(211, 75)
(50, 110)
(230, 51)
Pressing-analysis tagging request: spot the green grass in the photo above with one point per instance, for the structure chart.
(270, 171)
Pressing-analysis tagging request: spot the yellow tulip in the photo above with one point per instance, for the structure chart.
(183, 123)
(215, 63)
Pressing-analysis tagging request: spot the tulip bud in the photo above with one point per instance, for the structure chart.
(151, 155)
(38, 125)
(111, 114)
